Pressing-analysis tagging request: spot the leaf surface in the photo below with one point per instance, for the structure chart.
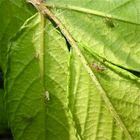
(110, 28)
(106, 107)
(3, 118)
(36, 83)
(79, 94)
(12, 15)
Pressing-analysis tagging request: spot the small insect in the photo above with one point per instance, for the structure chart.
(37, 55)
(98, 67)
(109, 22)
(47, 95)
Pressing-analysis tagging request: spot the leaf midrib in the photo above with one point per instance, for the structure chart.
(44, 10)
(41, 57)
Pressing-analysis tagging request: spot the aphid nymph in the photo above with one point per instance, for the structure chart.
(47, 95)
(109, 22)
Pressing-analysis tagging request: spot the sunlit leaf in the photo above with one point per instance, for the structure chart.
(37, 83)
(73, 71)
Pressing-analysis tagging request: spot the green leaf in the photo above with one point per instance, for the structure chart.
(81, 94)
(37, 83)
(12, 15)
(127, 127)
(105, 103)
(3, 118)
(110, 28)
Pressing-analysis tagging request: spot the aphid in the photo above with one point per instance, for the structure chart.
(47, 95)
(37, 55)
(109, 22)
(98, 67)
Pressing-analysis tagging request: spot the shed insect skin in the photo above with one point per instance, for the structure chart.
(98, 67)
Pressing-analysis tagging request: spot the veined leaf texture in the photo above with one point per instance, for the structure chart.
(71, 69)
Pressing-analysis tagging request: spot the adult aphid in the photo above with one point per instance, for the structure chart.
(98, 67)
